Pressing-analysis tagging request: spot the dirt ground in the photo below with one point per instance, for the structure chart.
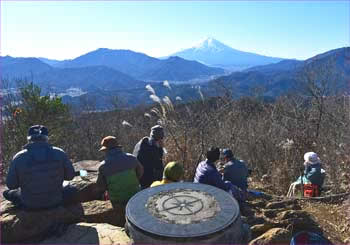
(332, 217)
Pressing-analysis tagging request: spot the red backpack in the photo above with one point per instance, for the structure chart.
(311, 190)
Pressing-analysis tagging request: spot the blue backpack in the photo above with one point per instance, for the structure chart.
(306, 238)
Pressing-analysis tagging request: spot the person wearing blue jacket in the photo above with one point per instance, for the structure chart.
(207, 173)
(235, 170)
(37, 173)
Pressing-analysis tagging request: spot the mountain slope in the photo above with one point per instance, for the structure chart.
(87, 78)
(214, 53)
(175, 68)
(332, 68)
(50, 62)
(126, 61)
(284, 65)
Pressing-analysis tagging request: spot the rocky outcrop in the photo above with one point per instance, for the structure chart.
(273, 236)
(24, 226)
(269, 216)
(18, 226)
(91, 233)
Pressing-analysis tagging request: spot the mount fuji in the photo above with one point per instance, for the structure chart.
(211, 52)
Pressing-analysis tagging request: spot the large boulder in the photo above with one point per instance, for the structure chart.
(24, 226)
(100, 212)
(290, 204)
(259, 229)
(91, 233)
(273, 236)
(18, 226)
(86, 181)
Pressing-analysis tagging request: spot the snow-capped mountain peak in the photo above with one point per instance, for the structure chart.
(209, 43)
(214, 53)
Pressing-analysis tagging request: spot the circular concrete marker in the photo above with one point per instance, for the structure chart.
(182, 210)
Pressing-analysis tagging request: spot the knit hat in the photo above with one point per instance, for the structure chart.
(173, 171)
(311, 158)
(157, 132)
(38, 132)
(227, 153)
(109, 142)
(213, 154)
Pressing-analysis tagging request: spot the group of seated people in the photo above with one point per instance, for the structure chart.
(36, 173)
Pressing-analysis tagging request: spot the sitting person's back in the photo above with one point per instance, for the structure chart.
(312, 170)
(37, 173)
(206, 172)
(235, 170)
(119, 173)
(173, 172)
(312, 177)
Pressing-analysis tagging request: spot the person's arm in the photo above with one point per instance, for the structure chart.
(157, 163)
(12, 177)
(69, 172)
(136, 151)
(245, 179)
(217, 181)
(139, 170)
(225, 173)
(101, 183)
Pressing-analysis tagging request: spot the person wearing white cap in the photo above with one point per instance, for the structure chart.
(312, 174)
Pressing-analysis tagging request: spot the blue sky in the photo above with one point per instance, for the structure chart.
(63, 30)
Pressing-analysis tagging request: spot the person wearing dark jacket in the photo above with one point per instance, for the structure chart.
(149, 151)
(37, 173)
(206, 172)
(235, 170)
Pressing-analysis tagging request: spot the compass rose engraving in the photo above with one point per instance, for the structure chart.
(182, 205)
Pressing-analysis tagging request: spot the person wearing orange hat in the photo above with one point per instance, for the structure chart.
(119, 174)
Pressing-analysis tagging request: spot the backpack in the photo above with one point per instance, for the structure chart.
(311, 190)
(306, 238)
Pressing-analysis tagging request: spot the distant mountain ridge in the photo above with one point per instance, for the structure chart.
(125, 66)
(22, 67)
(104, 82)
(214, 53)
(143, 67)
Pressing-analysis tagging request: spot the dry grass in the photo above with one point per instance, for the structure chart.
(332, 220)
